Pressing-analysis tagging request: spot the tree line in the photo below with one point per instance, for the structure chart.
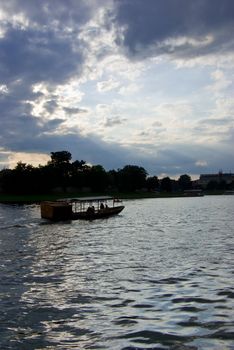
(62, 175)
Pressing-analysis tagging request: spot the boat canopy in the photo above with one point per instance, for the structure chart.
(87, 199)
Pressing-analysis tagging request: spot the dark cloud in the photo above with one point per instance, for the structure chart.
(171, 160)
(112, 121)
(52, 124)
(50, 105)
(69, 13)
(73, 110)
(217, 121)
(148, 27)
(36, 56)
(39, 44)
(90, 148)
(187, 158)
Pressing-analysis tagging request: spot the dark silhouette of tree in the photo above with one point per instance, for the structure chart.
(61, 172)
(152, 183)
(79, 165)
(97, 178)
(78, 174)
(185, 182)
(60, 157)
(23, 177)
(166, 184)
(113, 180)
(60, 168)
(131, 178)
(7, 180)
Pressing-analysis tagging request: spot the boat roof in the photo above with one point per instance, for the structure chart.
(87, 199)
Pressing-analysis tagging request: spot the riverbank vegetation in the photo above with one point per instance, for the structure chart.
(62, 177)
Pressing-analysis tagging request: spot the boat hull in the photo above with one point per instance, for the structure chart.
(100, 214)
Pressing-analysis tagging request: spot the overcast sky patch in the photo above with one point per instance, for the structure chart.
(119, 82)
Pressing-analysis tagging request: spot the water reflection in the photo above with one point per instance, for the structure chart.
(158, 276)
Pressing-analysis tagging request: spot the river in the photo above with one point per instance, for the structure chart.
(159, 275)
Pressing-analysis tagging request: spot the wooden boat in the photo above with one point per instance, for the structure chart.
(84, 208)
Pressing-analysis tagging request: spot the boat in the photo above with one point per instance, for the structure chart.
(84, 208)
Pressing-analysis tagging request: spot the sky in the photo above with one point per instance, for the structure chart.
(118, 82)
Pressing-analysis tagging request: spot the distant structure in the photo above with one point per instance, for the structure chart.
(219, 177)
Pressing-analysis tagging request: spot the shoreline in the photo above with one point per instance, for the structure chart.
(37, 199)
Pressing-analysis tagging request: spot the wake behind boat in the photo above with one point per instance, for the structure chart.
(85, 208)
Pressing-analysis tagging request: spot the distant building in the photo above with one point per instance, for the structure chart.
(219, 177)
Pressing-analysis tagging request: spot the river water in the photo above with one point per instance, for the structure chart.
(158, 276)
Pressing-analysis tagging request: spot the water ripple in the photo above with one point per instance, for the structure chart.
(158, 276)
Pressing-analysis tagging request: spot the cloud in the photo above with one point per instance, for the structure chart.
(99, 79)
(219, 82)
(3, 89)
(107, 85)
(217, 121)
(40, 52)
(71, 14)
(175, 27)
(75, 110)
(201, 163)
(35, 56)
(112, 121)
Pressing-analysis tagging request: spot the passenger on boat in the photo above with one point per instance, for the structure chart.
(101, 206)
(90, 210)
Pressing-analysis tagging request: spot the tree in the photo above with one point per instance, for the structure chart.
(131, 178)
(185, 182)
(113, 180)
(166, 184)
(7, 181)
(78, 165)
(152, 183)
(61, 157)
(60, 167)
(97, 178)
(20, 180)
(78, 174)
